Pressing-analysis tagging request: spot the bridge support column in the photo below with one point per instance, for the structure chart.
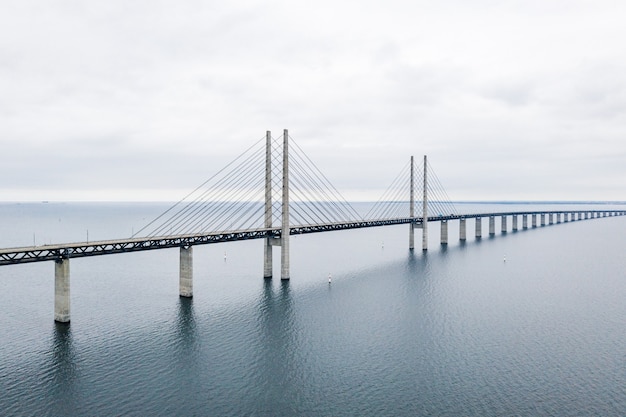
(267, 255)
(565, 217)
(62, 290)
(504, 226)
(550, 218)
(425, 208)
(185, 283)
(444, 232)
(462, 230)
(558, 218)
(479, 227)
(524, 221)
(492, 225)
(285, 230)
(543, 219)
(534, 220)
(514, 222)
(412, 207)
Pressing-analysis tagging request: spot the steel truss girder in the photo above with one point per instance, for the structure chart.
(80, 250)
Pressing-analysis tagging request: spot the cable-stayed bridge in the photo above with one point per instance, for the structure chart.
(271, 191)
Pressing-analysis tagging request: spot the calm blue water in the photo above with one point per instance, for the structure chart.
(455, 331)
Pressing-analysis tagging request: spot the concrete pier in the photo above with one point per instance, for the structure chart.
(444, 232)
(515, 222)
(186, 272)
(524, 221)
(543, 219)
(62, 290)
(550, 218)
(492, 225)
(462, 230)
(504, 226)
(558, 218)
(534, 220)
(479, 227)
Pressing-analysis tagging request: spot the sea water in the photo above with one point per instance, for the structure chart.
(531, 322)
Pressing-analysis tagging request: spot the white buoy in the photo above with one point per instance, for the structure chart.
(224, 255)
(504, 258)
(330, 278)
(383, 245)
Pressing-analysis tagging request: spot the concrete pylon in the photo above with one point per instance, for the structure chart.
(444, 232)
(284, 237)
(185, 280)
(462, 230)
(62, 290)
(267, 256)
(425, 207)
(412, 207)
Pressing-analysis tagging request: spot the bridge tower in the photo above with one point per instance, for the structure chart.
(425, 208)
(283, 242)
(284, 235)
(412, 208)
(267, 263)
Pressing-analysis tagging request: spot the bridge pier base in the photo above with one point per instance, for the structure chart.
(62, 290)
(534, 220)
(462, 230)
(558, 218)
(550, 219)
(543, 219)
(525, 221)
(479, 227)
(492, 225)
(186, 272)
(444, 232)
(504, 226)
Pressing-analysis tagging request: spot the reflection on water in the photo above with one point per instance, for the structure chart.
(186, 331)
(63, 371)
(277, 344)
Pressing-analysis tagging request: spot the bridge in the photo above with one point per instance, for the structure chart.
(271, 192)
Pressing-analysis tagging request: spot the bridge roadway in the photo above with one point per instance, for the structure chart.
(53, 252)
(11, 256)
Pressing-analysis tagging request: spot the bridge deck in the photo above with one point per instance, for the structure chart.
(52, 252)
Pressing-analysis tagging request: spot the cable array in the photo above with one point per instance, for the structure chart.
(395, 201)
(234, 198)
(229, 200)
(439, 204)
(314, 200)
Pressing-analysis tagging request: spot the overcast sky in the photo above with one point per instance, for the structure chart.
(143, 100)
